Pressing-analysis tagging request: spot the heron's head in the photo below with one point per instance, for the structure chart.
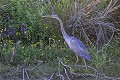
(52, 16)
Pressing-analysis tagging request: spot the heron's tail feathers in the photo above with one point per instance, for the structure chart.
(87, 57)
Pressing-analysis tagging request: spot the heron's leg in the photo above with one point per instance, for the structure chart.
(85, 63)
(77, 59)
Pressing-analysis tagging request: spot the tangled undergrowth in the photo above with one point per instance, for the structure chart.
(32, 48)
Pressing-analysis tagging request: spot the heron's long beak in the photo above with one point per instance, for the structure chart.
(46, 16)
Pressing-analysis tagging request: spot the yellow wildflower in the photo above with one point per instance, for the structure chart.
(23, 47)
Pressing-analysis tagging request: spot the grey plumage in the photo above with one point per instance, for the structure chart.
(74, 43)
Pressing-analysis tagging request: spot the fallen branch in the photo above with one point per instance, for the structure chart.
(95, 75)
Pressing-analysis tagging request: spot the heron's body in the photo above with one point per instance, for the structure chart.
(74, 43)
(78, 47)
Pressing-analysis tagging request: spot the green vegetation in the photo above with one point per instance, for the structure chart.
(28, 41)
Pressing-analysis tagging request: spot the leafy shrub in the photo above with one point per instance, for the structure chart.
(20, 21)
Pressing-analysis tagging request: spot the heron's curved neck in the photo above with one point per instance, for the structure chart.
(65, 35)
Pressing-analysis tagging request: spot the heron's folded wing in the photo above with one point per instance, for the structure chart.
(79, 48)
